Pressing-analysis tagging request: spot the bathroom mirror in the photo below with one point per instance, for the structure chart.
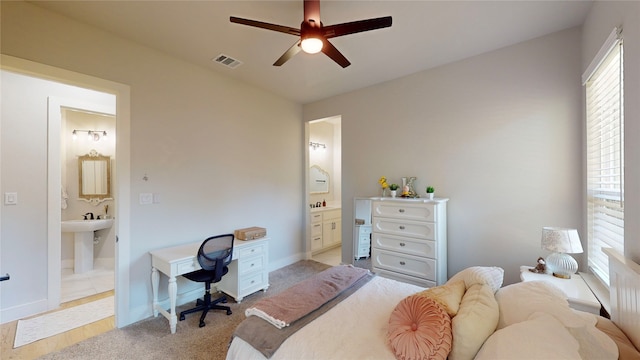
(318, 180)
(94, 173)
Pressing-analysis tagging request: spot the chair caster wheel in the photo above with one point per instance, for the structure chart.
(229, 312)
(202, 324)
(181, 317)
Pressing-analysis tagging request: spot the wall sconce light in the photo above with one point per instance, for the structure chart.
(91, 134)
(315, 145)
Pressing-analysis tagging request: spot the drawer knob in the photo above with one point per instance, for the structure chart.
(401, 210)
(402, 244)
(401, 227)
(402, 263)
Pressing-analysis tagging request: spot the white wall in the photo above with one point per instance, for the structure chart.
(23, 154)
(603, 17)
(219, 154)
(499, 134)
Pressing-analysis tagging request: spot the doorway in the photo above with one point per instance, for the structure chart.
(64, 79)
(324, 161)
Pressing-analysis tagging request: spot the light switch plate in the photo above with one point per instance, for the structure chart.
(11, 198)
(146, 198)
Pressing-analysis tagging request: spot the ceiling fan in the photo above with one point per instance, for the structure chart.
(314, 36)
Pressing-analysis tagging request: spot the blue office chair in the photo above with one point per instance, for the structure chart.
(214, 256)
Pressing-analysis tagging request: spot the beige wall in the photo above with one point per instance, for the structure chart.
(499, 134)
(220, 154)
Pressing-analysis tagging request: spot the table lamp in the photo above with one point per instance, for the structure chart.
(561, 242)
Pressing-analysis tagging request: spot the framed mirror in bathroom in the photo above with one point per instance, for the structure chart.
(318, 180)
(94, 175)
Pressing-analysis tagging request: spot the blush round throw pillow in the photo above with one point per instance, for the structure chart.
(420, 328)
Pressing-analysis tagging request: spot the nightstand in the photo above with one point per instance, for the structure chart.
(578, 293)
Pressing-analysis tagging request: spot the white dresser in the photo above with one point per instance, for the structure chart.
(250, 272)
(409, 240)
(361, 241)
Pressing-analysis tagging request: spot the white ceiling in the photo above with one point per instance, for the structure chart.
(424, 34)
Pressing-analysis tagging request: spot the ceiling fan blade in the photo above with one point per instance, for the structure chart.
(332, 52)
(312, 10)
(294, 49)
(332, 31)
(264, 25)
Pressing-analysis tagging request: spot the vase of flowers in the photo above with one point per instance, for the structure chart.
(394, 189)
(383, 183)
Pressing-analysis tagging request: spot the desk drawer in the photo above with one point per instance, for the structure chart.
(250, 265)
(251, 251)
(252, 283)
(187, 266)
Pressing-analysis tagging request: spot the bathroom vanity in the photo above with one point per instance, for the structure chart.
(326, 228)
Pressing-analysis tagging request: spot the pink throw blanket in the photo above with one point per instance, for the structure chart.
(308, 295)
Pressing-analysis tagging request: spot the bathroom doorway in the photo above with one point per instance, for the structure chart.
(57, 89)
(88, 135)
(325, 159)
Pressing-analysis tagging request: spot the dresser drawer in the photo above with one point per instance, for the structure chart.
(332, 214)
(404, 210)
(424, 230)
(406, 264)
(316, 243)
(426, 248)
(251, 251)
(250, 264)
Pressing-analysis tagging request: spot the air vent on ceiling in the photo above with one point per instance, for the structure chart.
(227, 61)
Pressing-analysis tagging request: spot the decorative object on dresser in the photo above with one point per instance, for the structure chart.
(409, 240)
(407, 187)
(561, 241)
(430, 191)
(394, 189)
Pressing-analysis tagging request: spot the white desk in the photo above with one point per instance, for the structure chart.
(248, 271)
(577, 291)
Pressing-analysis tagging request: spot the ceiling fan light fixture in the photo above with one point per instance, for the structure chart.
(311, 45)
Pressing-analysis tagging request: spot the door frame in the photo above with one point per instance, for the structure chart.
(121, 175)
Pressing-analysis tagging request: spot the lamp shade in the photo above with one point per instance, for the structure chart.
(561, 240)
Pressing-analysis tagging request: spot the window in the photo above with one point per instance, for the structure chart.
(605, 156)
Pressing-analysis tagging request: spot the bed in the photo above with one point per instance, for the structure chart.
(472, 316)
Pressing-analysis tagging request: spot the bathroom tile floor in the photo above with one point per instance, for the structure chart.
(75, 286)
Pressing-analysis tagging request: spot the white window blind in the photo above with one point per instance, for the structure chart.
(605, 156)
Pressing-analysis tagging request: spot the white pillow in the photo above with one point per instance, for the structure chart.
(518, 301)
(476, 320)
(541, 337)
(488, 275)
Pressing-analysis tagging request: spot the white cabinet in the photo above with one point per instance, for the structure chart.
(409, 240)
(326, 229)
(331, 228)
(250, 272)
(362, 241)
(316, 231)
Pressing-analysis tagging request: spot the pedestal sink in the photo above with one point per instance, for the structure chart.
(83, 240)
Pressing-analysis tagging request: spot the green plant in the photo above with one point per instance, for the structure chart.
(393, 187)
(430, 190)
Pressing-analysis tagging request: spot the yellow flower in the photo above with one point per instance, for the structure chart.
(383, 182)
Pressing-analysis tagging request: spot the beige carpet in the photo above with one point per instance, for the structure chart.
(152, 339)
(54, 323)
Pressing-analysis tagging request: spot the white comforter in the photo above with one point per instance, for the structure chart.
(353, 334)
